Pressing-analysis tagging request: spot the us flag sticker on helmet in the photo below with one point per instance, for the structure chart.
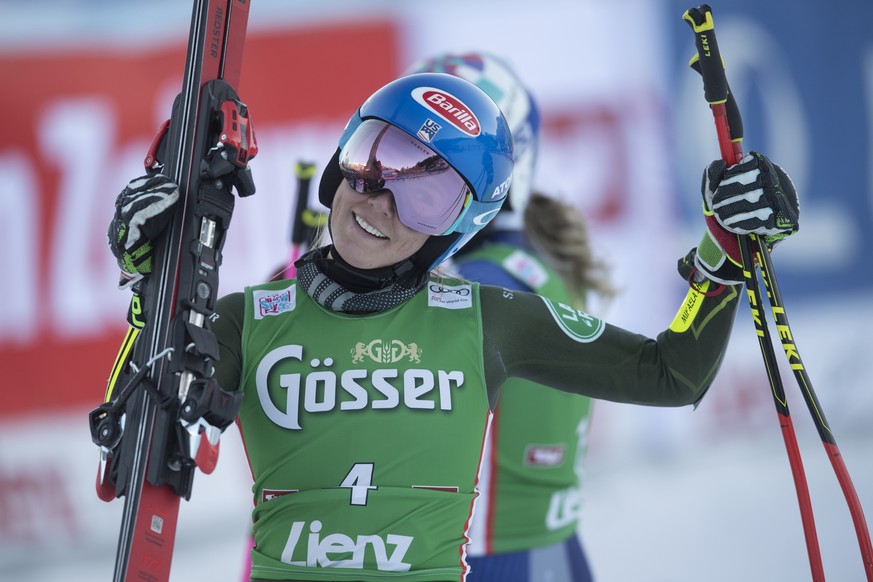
(448, 107)
(429, 130)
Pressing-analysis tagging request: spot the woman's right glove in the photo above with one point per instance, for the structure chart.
(142, 210)
(754, 196)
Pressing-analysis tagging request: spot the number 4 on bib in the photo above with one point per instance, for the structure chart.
(360, 480)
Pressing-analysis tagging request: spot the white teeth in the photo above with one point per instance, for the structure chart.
(368, 227)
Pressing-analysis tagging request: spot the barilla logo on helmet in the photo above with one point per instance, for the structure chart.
(449, 108)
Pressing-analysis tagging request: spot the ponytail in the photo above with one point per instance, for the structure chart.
(559, 232)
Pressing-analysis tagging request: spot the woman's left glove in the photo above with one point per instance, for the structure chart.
(754, 196)
(142, 210)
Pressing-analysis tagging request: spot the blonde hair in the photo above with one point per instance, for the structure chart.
(559, 232)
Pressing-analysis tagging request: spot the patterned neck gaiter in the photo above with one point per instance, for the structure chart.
(330, 293)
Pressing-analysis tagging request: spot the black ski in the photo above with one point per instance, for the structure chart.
(163, 412)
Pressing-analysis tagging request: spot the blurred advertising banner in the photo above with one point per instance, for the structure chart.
(82, 120)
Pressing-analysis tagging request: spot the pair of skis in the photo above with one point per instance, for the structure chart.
(163, 412)
(729, 127)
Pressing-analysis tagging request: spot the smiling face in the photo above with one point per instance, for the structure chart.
(367, 232)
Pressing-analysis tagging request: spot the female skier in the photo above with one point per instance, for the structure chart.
(369, 381)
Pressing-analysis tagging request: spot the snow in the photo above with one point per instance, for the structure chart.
(714, 510)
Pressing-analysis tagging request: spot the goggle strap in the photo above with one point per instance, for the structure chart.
(464, 210)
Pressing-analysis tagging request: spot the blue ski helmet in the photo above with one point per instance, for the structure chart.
(495, 76)
(463, 126)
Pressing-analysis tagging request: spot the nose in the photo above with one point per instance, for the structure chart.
(383, 200)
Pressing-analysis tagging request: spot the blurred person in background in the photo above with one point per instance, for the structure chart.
(526, 524)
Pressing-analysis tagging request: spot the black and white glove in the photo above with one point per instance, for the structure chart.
(754, 196)
(142, 210)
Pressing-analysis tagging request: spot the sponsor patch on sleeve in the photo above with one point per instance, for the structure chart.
(273, 302)
(449, 296)
(578, 325)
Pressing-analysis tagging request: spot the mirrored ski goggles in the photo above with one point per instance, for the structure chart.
(429, 194)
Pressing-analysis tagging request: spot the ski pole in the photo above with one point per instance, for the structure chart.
(792, 353)
(795, 361)
(304, 172)
(708, 63)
